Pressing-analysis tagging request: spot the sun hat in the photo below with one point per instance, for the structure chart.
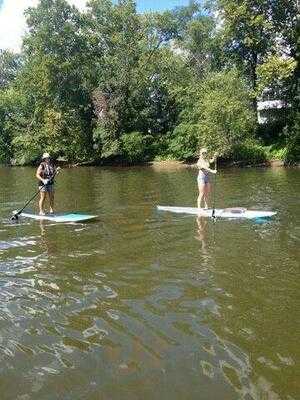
(45, 155)
(203, 150)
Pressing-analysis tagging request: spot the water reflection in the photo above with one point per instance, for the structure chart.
(201, 232)
(49, 246)
(141, 304)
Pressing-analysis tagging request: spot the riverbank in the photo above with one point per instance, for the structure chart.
(169, 164)
(176, 165)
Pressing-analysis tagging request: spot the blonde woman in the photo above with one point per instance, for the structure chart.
(203, 179)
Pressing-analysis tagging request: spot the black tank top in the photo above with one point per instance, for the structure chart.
(47, 172)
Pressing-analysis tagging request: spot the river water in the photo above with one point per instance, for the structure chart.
(143, 304)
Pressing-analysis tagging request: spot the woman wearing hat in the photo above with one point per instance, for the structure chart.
(45, 174)
(203, 165)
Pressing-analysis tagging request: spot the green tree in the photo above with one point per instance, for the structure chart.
(248, 34)
(53, 81)
(12, 121)
(226, 115)
(10, 65)
(285, 19)
(276, 73)
(256, 31)
(219, 117)
(86, 83)
(132, 72)
(292, 131)
(115, 29)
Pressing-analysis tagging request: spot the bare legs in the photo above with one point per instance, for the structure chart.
(42, 202)
(204, 190)
(200, 196)
(51, 201)
(206, 193)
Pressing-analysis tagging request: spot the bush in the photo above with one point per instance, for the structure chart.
(276, 151)
(4, 150)
(61, 133)
(184, 142)
(159, 149)
(271, 132)
(134, 146)
(10, 118)
(106, 143)
(249, 152)
(219, 115)
(27, 148)
(293, 143)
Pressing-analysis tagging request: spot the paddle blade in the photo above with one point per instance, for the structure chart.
(15, 216)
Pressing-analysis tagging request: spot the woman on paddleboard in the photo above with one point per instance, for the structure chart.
(203, 179)
(45, 174)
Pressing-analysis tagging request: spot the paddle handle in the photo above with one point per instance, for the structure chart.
(214, 193)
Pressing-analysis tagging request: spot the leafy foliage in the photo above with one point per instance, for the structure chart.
(219, 118)
(110, 84)
(135, 145)
(185, 141)
(227, 117)
(10, 64)
(249, 152)
(276, 73)
(293, 142)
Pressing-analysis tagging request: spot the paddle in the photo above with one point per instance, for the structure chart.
(15, 216)
(214, 193)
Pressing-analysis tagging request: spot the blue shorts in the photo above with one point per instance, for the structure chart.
(203, 179)
(47, 188)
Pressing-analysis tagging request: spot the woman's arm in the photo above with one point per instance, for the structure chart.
(213, 171)
(38, 174)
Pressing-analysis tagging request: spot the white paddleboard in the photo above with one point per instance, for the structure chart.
(220, 212)
(63, 217)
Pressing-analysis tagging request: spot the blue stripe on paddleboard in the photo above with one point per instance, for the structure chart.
(63, 217)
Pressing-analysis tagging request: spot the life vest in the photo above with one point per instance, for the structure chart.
(48, 171)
